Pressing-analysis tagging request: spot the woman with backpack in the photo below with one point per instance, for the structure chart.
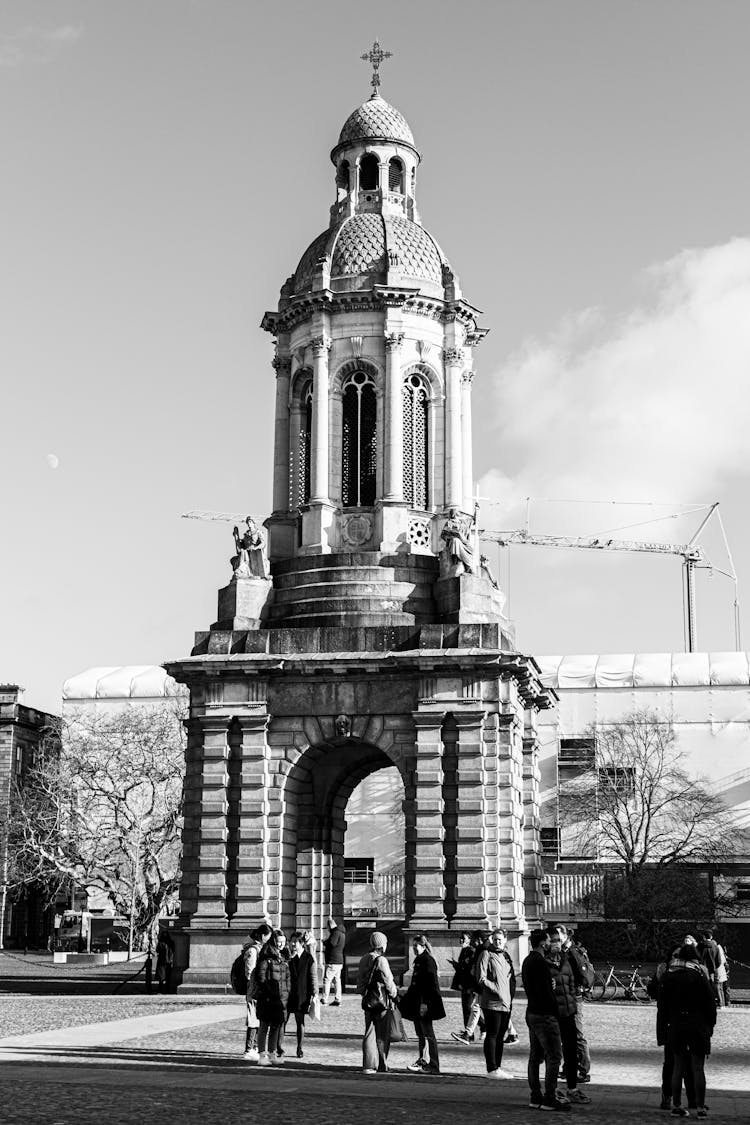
(423, 1004)
(377, 988)
(250, 950)
(273, 982)
(303, 985)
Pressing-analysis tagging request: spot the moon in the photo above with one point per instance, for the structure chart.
(53, 460)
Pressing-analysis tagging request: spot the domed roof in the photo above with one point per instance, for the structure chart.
(367, 244)
(375, 120)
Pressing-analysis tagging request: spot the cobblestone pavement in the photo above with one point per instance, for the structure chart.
(196, 1074)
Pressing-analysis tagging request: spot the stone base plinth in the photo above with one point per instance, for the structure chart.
(471, 599)
(244, 603)
(205, 956)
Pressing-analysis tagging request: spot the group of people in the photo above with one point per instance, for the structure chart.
(556, 974)
(690, 983)
(282, 981)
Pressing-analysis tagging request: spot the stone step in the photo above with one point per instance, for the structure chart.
(353, 607)
(428, 564)
(326, 590)
(352, 618)
(333, 574)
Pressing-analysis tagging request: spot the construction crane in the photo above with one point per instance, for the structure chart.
(692, 554)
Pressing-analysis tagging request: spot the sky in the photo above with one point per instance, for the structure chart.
(586, 169)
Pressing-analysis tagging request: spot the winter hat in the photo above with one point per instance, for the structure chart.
(378, 940)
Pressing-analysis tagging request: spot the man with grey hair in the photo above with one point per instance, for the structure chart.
(333, 953)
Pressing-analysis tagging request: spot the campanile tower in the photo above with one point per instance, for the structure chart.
(369, 634)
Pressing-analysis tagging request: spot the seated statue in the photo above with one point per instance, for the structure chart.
(251, 560)
(457, 555)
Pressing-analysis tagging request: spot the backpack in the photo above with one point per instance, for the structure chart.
(237, 976)
(583, 970)
(372, 999)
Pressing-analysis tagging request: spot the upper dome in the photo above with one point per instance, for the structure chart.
(376, 120)
(366, 244)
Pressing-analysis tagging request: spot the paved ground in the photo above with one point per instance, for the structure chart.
(177, 1060)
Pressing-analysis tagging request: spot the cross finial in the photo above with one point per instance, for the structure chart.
(375, 57)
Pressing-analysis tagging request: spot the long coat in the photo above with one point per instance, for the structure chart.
(424, 989)
(304, 983)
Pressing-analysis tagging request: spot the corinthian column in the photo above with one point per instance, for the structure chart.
(394, 412)
(319, 465)
(466, 454)
(283, 366)
(454, 361)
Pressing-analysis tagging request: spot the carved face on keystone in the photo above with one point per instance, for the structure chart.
(342, 726)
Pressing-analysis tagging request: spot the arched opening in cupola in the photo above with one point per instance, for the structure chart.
(416, 399)
(343, 177)
(368, 172)
(395, 175)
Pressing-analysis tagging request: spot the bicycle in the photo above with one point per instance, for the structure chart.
(606, 985)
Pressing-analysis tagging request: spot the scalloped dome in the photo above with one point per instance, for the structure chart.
(374, 120)
(362, 244)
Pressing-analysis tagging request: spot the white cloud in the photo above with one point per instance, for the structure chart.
(654, 406)
(36, 44)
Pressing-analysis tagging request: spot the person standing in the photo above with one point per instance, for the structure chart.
(250, 950)
(722, 977)
(272, 994)
(497, 985)
(465, 979)
(333, 954)
(303, 974)
(564, 983)
(708, 951)
(688, 1007)
(544, 1030)
(583, 973)
(423, 1004)
(377, 988)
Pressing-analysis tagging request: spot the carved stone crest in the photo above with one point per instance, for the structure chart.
(356, 530)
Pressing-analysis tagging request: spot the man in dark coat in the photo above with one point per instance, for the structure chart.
(544, 1030)
(688, 1008)
(333, 953)
(578, 958)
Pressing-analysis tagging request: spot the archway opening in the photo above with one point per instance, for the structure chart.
(374, 848)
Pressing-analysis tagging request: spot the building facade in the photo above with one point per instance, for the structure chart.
(372, 636)
(26, 920)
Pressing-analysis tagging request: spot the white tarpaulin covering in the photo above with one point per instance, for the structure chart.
(646, 670)
(140, 681)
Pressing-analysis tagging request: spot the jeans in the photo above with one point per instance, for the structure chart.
(495, 1026)
(570, 1049)
(584, 1057)
(686, 1062)
(376, 1043)
(471, 1021)
(426, 1038)
(544, 1044)
(268, 1037)
(332, 976)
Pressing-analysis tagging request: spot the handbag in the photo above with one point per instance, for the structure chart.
(315, 1008)
(396, 1029)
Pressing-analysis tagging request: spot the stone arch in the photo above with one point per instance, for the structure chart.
(313, 798)
(429, 374)
(348, 367)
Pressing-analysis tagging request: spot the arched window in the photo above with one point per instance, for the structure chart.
(416, 398)
(359, 450)
(395, 175)
(368, 172)
(305, 446)
(342, 177)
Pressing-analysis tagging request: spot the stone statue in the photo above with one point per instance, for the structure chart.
(457, 555)
(251, 560)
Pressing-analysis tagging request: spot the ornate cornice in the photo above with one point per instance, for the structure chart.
(378, 299)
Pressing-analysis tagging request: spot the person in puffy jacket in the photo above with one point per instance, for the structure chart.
(273, 982)
(565, 986)
(423, 1004)
(496, 980)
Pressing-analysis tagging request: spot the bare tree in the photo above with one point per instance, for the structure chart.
(101, 808)
(640, 806)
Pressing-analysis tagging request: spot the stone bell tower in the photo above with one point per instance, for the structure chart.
(379, 638)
